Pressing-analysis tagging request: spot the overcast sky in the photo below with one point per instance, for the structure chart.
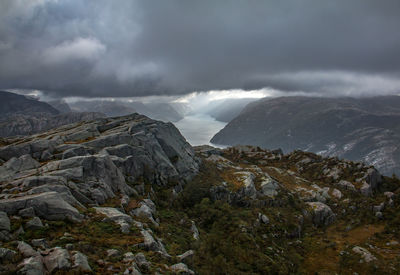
(98, 48)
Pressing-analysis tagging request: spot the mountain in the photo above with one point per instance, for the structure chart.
(163, 111)
(129, 195)
(360, 129)
(160, 111)
(22, 115)
(16, 125)
(61, 105)
(12, 104)
(109, 108)
(227, 109)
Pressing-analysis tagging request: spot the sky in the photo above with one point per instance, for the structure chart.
(127, 48)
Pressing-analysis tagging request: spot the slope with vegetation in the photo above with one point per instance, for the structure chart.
(130, 195)
(360, 129)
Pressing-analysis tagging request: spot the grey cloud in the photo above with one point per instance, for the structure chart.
(136, 48)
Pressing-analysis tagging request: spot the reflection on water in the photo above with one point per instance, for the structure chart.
(199, 129)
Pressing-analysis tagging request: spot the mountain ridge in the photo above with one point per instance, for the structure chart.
(322, 125)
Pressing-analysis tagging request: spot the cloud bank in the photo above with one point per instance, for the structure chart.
(127, 48)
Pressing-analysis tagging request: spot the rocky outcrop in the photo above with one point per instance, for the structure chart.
(89, 163)
(112, 214)
(364, 253)
(322, 214)
(47, 205)
(21, 125)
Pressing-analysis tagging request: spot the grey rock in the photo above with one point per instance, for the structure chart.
(141, 261)
(364, 253)
(269, 186)
(389, 195)
(337, 194)
(143, 211)
(40, 243)
(10, 169)
(113, 253)
(26, 250)
(146, 209)
(78, 150)
(113, 214)
(5, 236)
(181, 268)
(24, 162)
(249, 189)
(128, 257)
(263, 218)
(366, 189)
(374, 178)
(379, 208)
(346, 185)
(151, 244)
(321, 213)
(132, 270)
(188, 255)
(4, 221)
(34, 223)
(195, 231)
(48, 205)
(57, 259)
(6, 254)
(27, 212)
(32, 266)
(80, 262)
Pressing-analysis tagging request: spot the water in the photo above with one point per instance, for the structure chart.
(199, 129)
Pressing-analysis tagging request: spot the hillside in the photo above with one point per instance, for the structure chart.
(11, 104)
(227, 109)
(365, 129)
(130, 195)
(21, 115)
(159, 111)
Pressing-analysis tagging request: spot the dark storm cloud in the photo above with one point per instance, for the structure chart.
(136, 48)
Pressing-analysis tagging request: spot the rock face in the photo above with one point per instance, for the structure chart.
(17, 125)
(89, 163)
(116, 216)
(357, 129)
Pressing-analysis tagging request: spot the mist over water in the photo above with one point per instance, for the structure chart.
(198, 129)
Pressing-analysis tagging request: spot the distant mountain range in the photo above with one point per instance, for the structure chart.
(227, 109)
(13, 104)
(364, 129)
(23, 115)
(159, 111)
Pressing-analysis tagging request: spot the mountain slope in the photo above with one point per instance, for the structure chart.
(365, 129)
(227, 109)
(11, 104)
(61, 105)
(160, 111)
(130, 195)
(22, 115)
